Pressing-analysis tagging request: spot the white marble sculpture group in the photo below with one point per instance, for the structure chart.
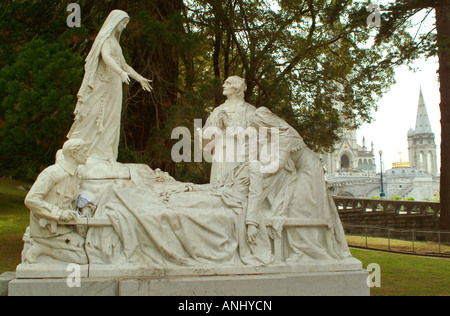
(89, 209)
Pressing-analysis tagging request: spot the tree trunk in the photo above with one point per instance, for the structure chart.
(216, 63)
(443, 31)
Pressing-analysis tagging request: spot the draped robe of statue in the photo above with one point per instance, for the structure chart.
(167, 227)
(99, 106)
(305, 196)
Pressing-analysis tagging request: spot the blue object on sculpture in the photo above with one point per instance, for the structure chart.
(83, 200)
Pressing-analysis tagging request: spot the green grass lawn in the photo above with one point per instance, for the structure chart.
(14, 219)
(407, 275)
(401, 275)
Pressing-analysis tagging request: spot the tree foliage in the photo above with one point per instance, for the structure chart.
(39, 79)
(38, 92)
(299, 57)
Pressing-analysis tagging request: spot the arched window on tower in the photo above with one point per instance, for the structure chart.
(430, 160)
(421, 161)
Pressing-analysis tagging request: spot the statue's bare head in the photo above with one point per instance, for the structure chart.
(234, 87)
(75, 150)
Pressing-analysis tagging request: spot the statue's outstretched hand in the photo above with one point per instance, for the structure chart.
(145, 83)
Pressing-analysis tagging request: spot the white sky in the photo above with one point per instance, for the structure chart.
(397, 110)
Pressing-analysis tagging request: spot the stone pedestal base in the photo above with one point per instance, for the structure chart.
(335, 277)
(4, 281)
(343, 283)
(301, 284)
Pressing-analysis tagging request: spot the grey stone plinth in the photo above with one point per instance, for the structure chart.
(303, 284)
(343, 283)
(48, 271)
(59, 287)
(5, 278)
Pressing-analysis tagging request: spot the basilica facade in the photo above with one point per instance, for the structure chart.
(349, 157)
(351, 171)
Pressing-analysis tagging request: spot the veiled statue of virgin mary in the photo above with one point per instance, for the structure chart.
(99, 106)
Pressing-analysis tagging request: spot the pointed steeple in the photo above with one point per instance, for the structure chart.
(423, 125)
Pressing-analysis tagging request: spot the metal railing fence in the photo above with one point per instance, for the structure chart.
(416, 241)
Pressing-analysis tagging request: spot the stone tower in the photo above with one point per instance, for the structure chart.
(421, 144)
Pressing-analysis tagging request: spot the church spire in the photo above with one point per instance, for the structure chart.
(423, 125)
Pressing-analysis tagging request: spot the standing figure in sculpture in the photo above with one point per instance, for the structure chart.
(98, 111)
(226, 118)
(51, 200)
